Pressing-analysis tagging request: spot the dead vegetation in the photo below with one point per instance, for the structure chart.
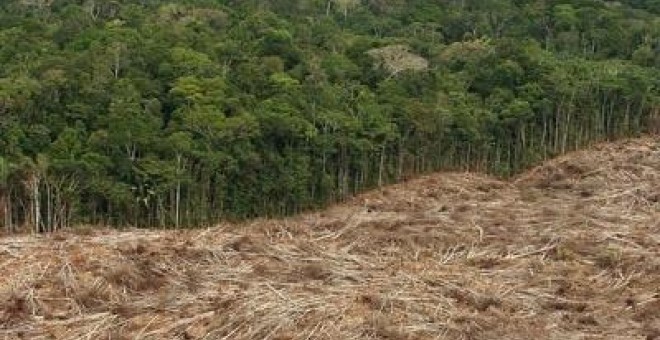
(569, 250)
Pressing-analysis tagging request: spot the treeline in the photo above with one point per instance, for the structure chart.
(163, 113)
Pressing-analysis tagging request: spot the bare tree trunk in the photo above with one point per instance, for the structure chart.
(49, 209)
(178, 192)
(400, 165)
(3, 206)
(10, 215)
(557, 126)
(35, 205)
(381, 166)
(565, 134)
(627, 119)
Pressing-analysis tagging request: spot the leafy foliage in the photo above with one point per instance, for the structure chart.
(179, 113)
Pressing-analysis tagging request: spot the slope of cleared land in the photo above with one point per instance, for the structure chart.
(569, 250)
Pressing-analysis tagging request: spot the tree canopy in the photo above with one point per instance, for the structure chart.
(163, 113)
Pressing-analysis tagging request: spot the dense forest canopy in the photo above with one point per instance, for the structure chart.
(179, 113)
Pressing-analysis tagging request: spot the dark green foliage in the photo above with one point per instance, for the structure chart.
(179, 113)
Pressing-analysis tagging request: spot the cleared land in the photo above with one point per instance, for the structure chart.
(569, 250)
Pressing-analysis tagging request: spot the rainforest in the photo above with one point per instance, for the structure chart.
(157, 113)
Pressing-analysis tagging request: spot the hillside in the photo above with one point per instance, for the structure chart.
(568, 250)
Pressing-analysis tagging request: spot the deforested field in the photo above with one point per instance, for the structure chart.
(568, 250)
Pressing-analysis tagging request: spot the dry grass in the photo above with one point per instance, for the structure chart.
(569, 250)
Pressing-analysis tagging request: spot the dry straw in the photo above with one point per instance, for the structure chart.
(569, 250)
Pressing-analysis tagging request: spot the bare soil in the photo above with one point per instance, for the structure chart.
(568, 250)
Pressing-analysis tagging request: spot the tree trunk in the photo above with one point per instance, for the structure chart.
(9, 210)
(3, 211)
(36, 202)
(381, 166)
(178, 192)
(49, 209)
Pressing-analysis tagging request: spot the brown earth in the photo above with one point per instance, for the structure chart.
(569, 250)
